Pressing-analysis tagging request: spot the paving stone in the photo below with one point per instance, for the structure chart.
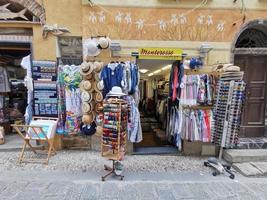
(128, 191)
(74, 192)
(198, 191)
(235, 187)
(219, 190)
(181, 191)
(261, 166)
(260, 189)
(247, 169)
(90, 191)
(164, 192)
(109, 191)
(56, 189)
(13, 189)
(146, 191)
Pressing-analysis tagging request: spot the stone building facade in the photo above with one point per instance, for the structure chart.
(237, 32)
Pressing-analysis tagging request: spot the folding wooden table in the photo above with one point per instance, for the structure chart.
(37, 133)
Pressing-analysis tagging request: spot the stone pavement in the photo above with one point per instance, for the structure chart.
(13, 142)
(65, 185)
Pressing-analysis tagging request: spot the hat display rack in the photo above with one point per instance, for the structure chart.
(93, 46)
(110, 114)
(91, 87)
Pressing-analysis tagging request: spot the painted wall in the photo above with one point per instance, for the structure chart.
(210, 4)
(65, 13)
(151, 23)
(155, 26)
(165, 23)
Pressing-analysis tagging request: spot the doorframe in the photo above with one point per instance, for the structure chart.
(254, 51)
(249, 51)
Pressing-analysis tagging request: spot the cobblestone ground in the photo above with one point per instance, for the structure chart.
(78, 161)
(130, 190)
(77, 175)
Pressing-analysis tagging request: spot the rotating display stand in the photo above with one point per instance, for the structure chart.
(113, 146)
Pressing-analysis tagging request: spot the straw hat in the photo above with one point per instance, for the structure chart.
(86, 96)
(87, 107)
(98, 66)
(98, 107)
(230, 67)
(103, 43)
(116, 91)
(98, 86)
(88, 118)
(85, 85)
(86, 68)
(88, 76)
(91, 47)
(98, 97)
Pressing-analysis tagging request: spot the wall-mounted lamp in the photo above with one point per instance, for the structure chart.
(143, 71)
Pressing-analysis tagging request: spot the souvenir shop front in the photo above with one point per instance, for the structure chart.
(13, 92)
(180, 103)
(170, 100)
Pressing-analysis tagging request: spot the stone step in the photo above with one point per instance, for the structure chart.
(253, 143)
(245, 155)
(251, 168)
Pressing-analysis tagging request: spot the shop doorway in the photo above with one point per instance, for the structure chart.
(154, 92)
(250, 53)
(14, 99)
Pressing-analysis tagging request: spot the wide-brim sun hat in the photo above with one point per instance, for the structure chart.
(88, 118)
(88, 77)
(103, 42)
(98, 86)
(116, 91)
(86, 68)
(87, 107)
(91, 47)
(86, 96)
(98, 107)
(230, 67)
(98, 66)
(98, 97)
(85, 85)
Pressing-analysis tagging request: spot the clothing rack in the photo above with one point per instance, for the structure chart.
(197, 107)
(201, 71)
(205, 109)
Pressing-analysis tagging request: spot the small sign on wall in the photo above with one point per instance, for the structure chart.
(160, 53)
